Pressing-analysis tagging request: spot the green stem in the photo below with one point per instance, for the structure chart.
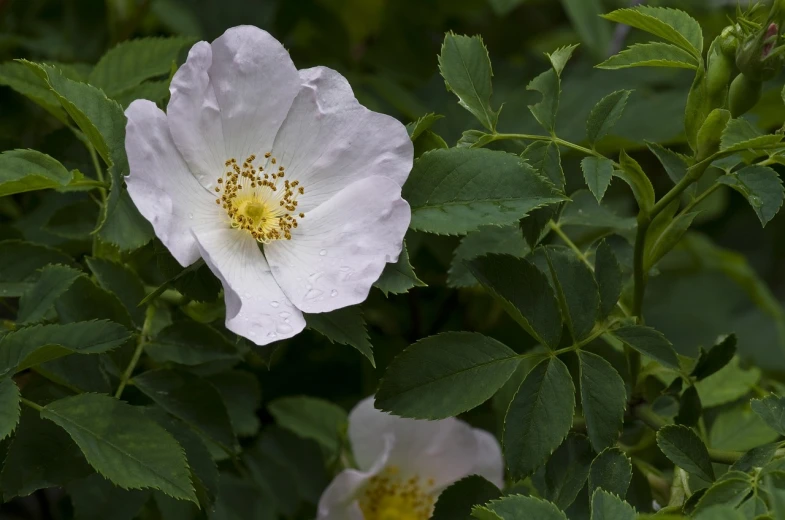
(562, 142)
(31, 404)
(148, 322)
(700, 198)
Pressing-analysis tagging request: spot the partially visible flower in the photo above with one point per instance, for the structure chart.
(760, 55)
(287, 187)
(404, 464)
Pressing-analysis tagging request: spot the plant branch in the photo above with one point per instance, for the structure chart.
(557, 140)
(31, 404)
(148, 322)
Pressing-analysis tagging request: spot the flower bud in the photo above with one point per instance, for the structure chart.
(760, 56)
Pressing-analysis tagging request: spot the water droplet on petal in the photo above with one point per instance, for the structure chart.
(273, 304)
(271, 334)
(191, 216)
(346, 268)
(284, 315)
(312, 294)
(333, 293)
(322, 252)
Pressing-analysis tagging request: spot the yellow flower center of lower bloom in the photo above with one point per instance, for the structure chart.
(259, 199)
(390, 497)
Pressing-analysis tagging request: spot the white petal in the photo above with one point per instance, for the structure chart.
(329, 140)
(340, 249)
(488, 461)
(255, 82)
(339, 500)
(160, 183)
(444, 450)
(194, 116)
(255, 306)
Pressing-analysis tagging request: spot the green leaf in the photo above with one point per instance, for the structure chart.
(488, 239)
(772, 410)
(761, 186)
(100, 119)
(192, 399)
(721, 513)
(650, 342)
(85, 301)
(775, 486)
(524, 292)
(729, 492)
(598, 172)
(665, 233)
(345, 326)
(95, 498)
(584, 211)
(672, 25)
(416, 128)
(611, 470)
(636, 178)
(604, 398)
(27, 347)
(125, 227)
(653, 54)
(519, 507)
(29, 170)
(122, 444)
(607, 272)
(311, 418)
(123, 282)
(690, 407)
(548, 84)
(605, 115)
(457, 190)
(466, 69)
(675, 164)
(204, 473)
(75, 221)
(37, 301)
(740, 135)
(20, 263)
(190, 343)
(565, 473)
(594, 32)
(755, 458)
(429, 379)
(456, 502)
(545, 158)
(40, 455)
(711, 132)
(740, 428)
(155, 91)
(129, 63)
(560, 57)
(729, 384)
(686, 450)
(24, 81)
(399, 277)
(539, 417)
(576, 291)
(719, 355)
(9, 407)
(242, 396)
(606, 506)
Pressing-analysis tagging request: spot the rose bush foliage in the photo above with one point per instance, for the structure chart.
(564, 284)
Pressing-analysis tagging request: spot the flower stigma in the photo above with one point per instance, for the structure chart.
(260, 199)
(390, 497)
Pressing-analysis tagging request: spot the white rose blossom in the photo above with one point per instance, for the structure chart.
(404, 464)
(287, 187)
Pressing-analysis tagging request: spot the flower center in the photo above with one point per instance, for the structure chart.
(389, 497)
(259, 199)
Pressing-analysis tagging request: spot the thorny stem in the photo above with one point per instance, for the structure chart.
(148, 322)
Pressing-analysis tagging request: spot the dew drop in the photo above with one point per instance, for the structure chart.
(271, 334)
(191, 216)
(284, 315)
(273, 304)
(312, 294)
(322, 252)
(283, 328)
(333, 293)
(346, 268)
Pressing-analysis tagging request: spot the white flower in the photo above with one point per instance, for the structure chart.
(404, 464)
(287, 187)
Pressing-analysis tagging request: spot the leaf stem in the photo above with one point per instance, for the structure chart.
(557, 140)
(148, 322)
(700, 198)
(31, 404)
